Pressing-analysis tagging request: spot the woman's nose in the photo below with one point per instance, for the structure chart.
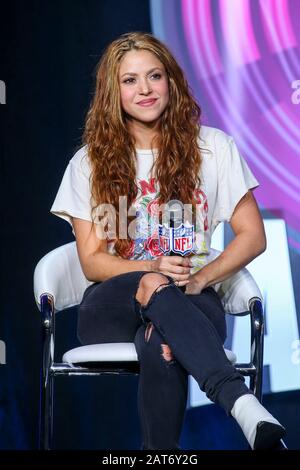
(145, 87)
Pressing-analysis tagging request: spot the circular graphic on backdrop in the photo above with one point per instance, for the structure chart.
(242, 61)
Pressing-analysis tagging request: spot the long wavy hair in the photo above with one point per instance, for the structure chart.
(111, 148)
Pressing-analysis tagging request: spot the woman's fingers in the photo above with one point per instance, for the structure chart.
(177, 277)
(173, 265)
(177, 264)
(179, 261)
(182, 283)
(179, 283)
(179, 269)
(181, 277)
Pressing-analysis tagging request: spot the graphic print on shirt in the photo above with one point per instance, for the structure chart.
(145, 240)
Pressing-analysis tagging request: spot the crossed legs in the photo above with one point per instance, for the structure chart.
(177, 330)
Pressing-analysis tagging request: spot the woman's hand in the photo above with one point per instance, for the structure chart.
(196, 284)
(177, 267)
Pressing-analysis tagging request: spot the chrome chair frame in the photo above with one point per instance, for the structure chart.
(51, 369)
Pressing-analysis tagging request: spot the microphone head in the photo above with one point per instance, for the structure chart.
(176, 233)
(174, 212)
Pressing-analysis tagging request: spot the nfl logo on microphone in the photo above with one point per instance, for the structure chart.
(179, 240)
(164, 238)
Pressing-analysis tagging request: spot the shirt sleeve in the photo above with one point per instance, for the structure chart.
(73, 196)
(234, 180)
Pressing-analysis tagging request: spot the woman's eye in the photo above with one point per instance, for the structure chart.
(129, 80)
(156, 76)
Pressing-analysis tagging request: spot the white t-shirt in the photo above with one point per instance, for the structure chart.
(225, 179)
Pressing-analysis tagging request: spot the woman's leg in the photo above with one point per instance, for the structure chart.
(162, 391)
(260, 428)
(163, 381)
(108, 313)
(195, 343)
(193, 339)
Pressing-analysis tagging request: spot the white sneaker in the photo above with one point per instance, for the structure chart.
(260, 428)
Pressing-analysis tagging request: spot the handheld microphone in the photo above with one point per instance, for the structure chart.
(180, 243)
(175, 212)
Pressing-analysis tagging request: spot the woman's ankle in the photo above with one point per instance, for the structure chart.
(251, 416)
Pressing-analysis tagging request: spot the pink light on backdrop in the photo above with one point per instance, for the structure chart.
(243, 56)
(238, 31)
(202, 33)
(277, 24)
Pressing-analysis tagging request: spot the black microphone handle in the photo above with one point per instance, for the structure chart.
(182, 288)
(172, 253)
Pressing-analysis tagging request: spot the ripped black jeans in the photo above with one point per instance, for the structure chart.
(175, 335)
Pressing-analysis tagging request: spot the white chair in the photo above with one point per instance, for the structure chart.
(59, 283)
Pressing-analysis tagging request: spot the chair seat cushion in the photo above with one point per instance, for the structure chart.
(112, 352)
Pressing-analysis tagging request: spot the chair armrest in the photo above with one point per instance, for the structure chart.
(46, 307)
(48, 333)
(59, 274)
(237, 292)
(257, 334)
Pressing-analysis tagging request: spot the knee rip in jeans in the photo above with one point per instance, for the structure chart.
(166, 351)
(148, 331)
(170, 282)
(143, 308)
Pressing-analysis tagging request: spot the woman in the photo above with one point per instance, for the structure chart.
(143, 141)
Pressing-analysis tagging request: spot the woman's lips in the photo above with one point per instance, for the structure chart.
(147, 102)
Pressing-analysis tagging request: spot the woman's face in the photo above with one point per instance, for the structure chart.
(143, 86)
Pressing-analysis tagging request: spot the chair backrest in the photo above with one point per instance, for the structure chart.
(59, 273)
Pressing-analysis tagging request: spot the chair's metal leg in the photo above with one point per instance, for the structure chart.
(46, 376)
(256, 385)
(49, 414)
(42, 413)
(46, 414)
(257, 346)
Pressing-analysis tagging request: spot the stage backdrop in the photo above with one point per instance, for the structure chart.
(242, 61)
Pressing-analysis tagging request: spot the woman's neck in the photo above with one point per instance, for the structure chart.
(144, 134)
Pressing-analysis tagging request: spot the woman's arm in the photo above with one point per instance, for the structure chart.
(249, 242)
(98, 265)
